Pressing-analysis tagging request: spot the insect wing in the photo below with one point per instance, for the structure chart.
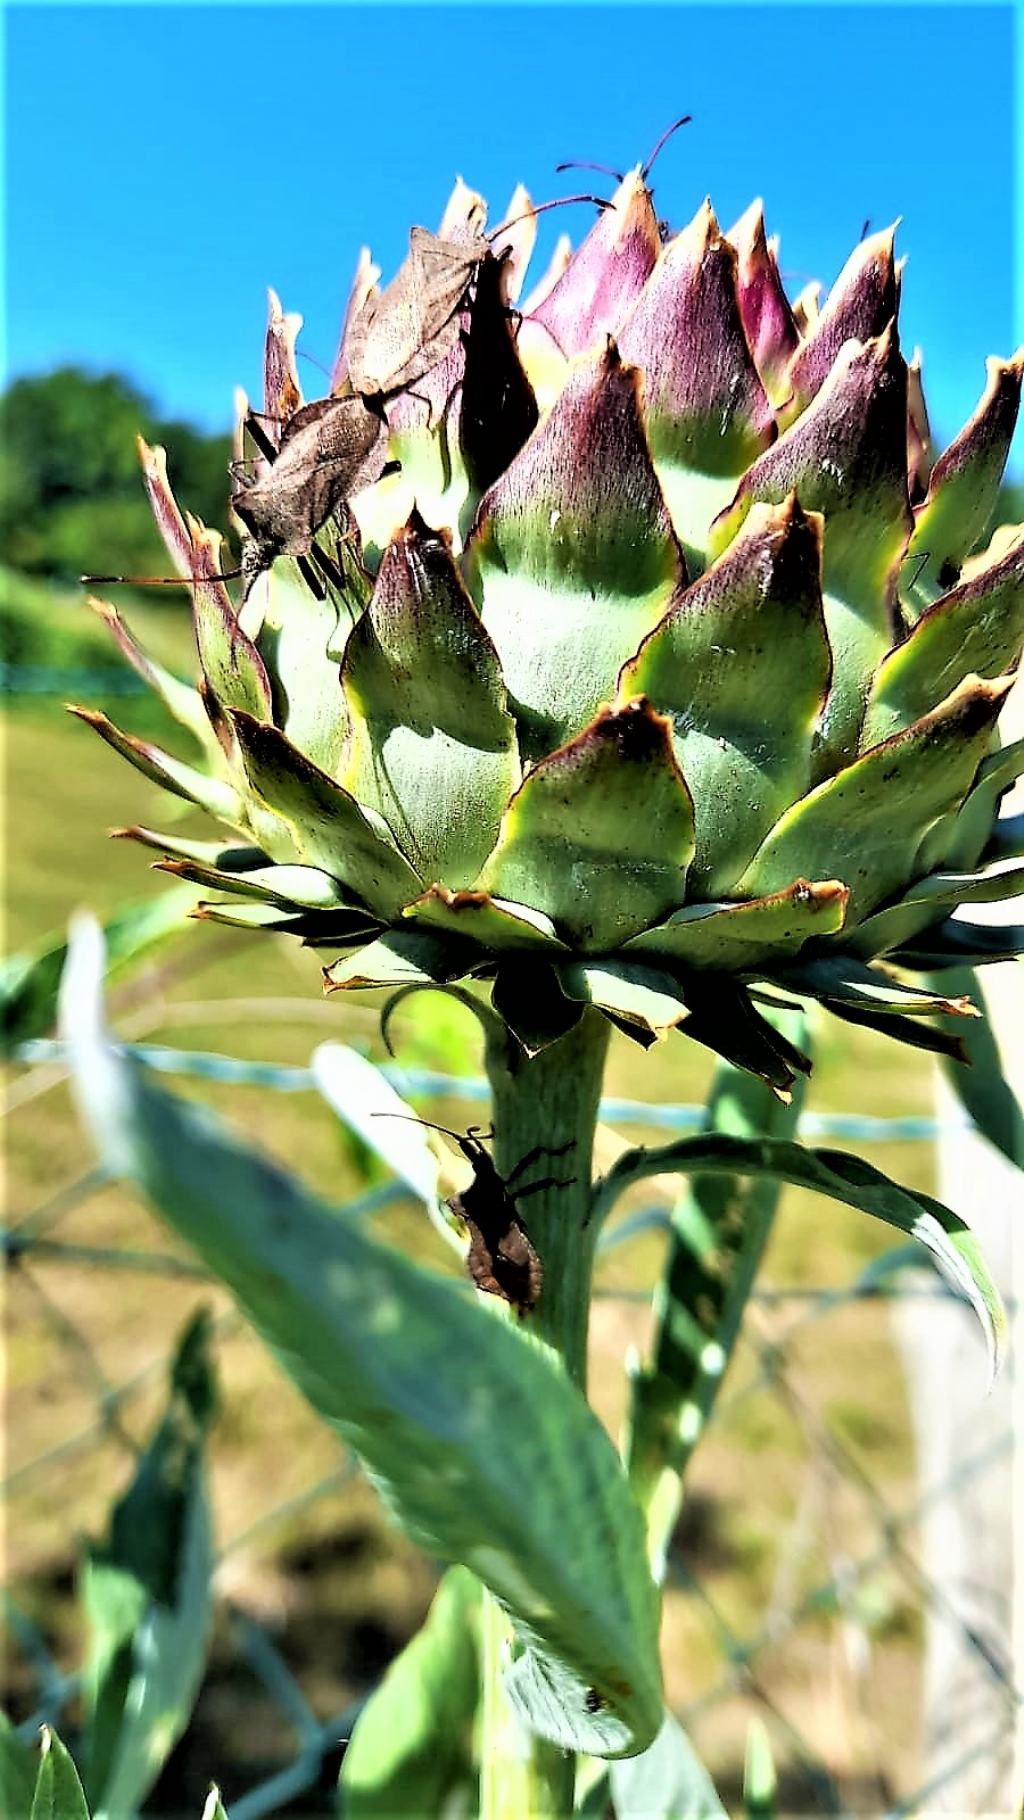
(412, 324)
(336, 448)
(498, 409)
(501, 1259)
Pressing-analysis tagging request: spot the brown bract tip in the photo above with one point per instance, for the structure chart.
(417, 530)
(636, 728)
(818, 895)
(748, 235)
(453, 900)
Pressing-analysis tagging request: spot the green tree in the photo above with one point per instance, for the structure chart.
(71, 496)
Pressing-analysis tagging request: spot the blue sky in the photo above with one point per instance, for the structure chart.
(165, 164)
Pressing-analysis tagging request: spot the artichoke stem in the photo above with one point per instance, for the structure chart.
(551, 1102)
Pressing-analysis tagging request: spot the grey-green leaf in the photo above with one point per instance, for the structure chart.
(455, 1411)
(719, 1228)
(983, 1089)
(58, 1792)
(843, 1178)
(29, 981)
(668, 1782)
(146, 1594)
(411, 1748)
(369, 1106)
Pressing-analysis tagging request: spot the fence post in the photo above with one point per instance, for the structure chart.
(973, 1742)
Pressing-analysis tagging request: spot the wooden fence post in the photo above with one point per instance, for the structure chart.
(970, 1452)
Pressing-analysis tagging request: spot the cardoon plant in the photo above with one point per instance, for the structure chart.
(618, 656)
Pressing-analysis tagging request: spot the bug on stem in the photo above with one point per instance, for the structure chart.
(502, 1259)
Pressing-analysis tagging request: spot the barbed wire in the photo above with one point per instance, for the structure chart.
(69, 679)
(31, 1244)
(238, 1071)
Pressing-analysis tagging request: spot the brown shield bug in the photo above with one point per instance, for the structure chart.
(502, 1259)
(329, 449)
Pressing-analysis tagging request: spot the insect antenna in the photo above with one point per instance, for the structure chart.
(410, 1118)
(588, 164)
(559, 202)
(684, 120)
(302, 354)
(156, 581)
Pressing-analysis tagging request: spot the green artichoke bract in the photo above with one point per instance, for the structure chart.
(655, 667)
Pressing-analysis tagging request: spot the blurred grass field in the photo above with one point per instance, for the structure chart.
(814, 1405)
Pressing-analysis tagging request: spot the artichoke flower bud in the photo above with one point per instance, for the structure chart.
(646, 659)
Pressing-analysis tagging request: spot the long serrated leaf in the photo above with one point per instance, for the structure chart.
(720, 1227)
(841, 1177)
(58, 1792)
(478, 1440)
(147, 1596)
(169, 1657)
(412, 1745)
(370, 1106)
(114, 1603)
(29, 981)
(668, 1782)
(982, 1089)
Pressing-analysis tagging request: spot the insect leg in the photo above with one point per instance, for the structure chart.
(550, 1181)
(538, 1150)
(311, 578)
(925, 559)
(266, 446)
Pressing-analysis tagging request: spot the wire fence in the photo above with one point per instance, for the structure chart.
(778, 1316)
(69, 679)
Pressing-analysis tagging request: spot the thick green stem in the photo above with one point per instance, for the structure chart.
(547, 1105)
(551, 1102)
(720, 1229)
